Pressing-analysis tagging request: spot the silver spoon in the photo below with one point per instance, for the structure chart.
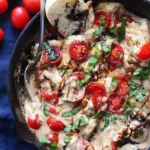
(29, 69)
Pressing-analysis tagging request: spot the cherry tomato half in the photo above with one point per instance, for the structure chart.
(116, 55)
(53, 110)
(123, 86)
(55, 125)
(96, 88)
(53, 137)
(79, 50)
(85, 145)
(78, 75)
(33, 6)
(115, 103)
(34, 122)
(58, 54)
(98, 18)
(113, 146)
(144, 53)
(1, 34)
(128, 18)
(3, 6)
(19, 17)
(50, 96)
(98, 101)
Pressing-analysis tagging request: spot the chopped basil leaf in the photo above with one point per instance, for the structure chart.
(47, 47)
(45, 109)
(83, 122)
(122, 31)
(105, 48)
(75, 125)
(107, 118)
(68, 128)
(53, 146)
(137, 90)
(96, 50)
(100, 29)
(45, 140)
(142, 73)
(66, 72)
(87, 77)
(92, 61)
(114, 82)
(128, 103)
(70, 113)
(99, 115)
(66, 139)
(114, 31)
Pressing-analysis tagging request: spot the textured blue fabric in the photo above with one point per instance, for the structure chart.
(8, 136)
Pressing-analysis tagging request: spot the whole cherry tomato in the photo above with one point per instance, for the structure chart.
(96, 88)
(53, 137)
(50, 96)
(19, 17)
(98, 18)
(55, 125)
(57, 54)
(34, 122)
(98, 101)
(78, 75)
(1, 34)
(33, 6)
(116, 55)
(144, 53)
(115, 103)
(123, 86)
(3, 6)
(85, 145)
(79, 50)
(128, 18)
(113, 146)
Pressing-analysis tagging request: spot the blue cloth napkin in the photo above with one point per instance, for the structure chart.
(8, 136)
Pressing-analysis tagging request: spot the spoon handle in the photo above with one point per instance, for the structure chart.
(42, 21)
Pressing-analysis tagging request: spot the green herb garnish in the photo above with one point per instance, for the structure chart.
(83, 122)
(53, 146)
(99, 115)
(87, 77)
(45, 108)
(45, 140)
(137, 90)
(128, 103)
(92, 62)
(70, 113)
(66, 139)
(105, 48)
(114, 82)
(100, 29)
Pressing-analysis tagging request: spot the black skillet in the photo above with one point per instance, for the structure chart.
(21, 53)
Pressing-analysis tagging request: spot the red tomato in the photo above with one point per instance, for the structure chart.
(53, 110)
(96, 88)
(55, 125)
(112, 67)
(115, 103)
(144, 53)
(98, 18)
(97, 100)
(3, 6)
(113, 146)
(53, 137)
(79, 50)
(50, 96)
(19, 17)
(85, 145)
(116, 55)
(33, 6)
(128, 18)
(1, 34)
(78, 75)
(35, 122)
(123, 86)
(57, 52)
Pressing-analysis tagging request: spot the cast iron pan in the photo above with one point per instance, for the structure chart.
(21, 53)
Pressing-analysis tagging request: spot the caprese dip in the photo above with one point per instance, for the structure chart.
(92, 89)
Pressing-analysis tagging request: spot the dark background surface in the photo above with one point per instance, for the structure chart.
(8, 136)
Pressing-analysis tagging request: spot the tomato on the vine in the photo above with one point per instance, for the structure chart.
(50, 96)
(116, 55)
(33, 6)
(79, 50)
(115, 103)
(3, 6)
(54, 58)
(144, 53)
(55, 125)
(20, 17)
(98, 18)
(34, 122)
(1, 34)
